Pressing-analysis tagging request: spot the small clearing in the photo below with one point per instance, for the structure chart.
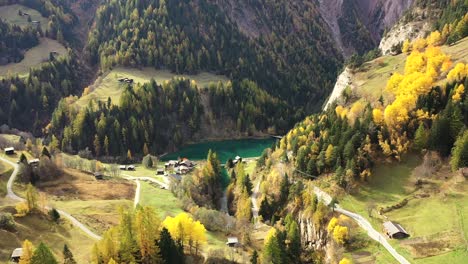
(10, 13)
(108, 85)
(33, 57)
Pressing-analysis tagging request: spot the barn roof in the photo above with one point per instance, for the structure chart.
(393, 228)
(232, 240)
(18, 252)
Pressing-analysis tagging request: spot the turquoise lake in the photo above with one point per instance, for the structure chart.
(226, 149)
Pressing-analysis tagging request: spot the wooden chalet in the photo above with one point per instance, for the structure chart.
(98, 176)
(232, 242)
(16, 255)
(34, 162)
(394, 230)
(9, 151)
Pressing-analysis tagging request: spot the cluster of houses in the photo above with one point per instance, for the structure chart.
(125, 80)
(182, 166)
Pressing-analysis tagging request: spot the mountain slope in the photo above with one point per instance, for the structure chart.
(357, 26)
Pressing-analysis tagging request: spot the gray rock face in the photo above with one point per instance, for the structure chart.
(354, 22)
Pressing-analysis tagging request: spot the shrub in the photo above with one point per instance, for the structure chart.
(7, 222)
(54, 215)
(148, 161)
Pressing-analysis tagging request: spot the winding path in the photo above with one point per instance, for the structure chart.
(13, 196)
(254, 197)
(153, 180)
(364, 223)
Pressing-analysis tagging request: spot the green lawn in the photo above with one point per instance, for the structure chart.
(108, 85)
(33, 57)
(164, 201)
(386, 186)
(167, 204)
(10, 14)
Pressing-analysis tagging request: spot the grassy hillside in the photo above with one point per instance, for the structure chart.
(37, 228)
(9, 13)
(442, 197)
(108, 85)
(33, 57)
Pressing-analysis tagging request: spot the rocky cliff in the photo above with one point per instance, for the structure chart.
(358, 25)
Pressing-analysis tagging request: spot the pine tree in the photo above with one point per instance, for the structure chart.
(97, 145)
(106, 145)
(31, 197)
(459, 157)
(145, 149)
(68, 255)
(272, 250)
(45, 152)
(171, 253)
(23, 159)
(148, 161)
(294, 246)
(254, 257)
(420, 138)
(284, 189)
(43, 255)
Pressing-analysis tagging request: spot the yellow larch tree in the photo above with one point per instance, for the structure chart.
(341, 234)
(419, 44)
(147, 224)
(28, 251)
(458, 73)
(185, 230)
(434, 39)
(406, 46)
(345, 261)
(378, 116)
(459, 91)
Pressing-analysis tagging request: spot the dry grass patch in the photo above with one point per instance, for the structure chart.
(434, 245)
(76, 185)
